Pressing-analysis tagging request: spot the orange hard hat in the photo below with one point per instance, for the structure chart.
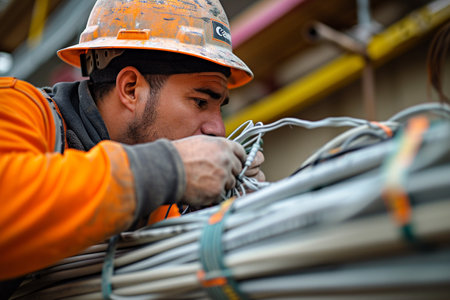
(198, 28)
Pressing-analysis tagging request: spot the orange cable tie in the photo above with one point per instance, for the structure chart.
(385, 128)
(217, 281)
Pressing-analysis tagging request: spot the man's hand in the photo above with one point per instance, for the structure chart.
(254, 170)
(211, 165)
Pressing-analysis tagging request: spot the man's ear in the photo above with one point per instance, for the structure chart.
(129, 83)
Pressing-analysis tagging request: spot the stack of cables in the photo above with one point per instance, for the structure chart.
(365, 217)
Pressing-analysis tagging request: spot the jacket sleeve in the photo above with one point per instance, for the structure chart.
(54, 205)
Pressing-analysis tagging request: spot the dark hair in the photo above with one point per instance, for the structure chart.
(156, 65)
(156, 82)
(99, 90)
(155, 62)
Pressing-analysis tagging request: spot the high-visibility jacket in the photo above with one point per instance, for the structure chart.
(55, 205)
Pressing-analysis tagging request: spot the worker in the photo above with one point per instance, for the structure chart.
(83, 161)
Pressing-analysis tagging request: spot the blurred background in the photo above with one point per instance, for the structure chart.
(311, 58)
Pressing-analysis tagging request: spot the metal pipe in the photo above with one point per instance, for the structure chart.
(368, 90)
(368, 74)
(364, 18)
(266, 14)
(319, 31)
(344, 69)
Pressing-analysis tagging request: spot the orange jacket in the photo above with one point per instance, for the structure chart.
(54, 205)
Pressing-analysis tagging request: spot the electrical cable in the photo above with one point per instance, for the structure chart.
(324, 231)
(438, 109)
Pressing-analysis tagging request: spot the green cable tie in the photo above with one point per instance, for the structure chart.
(407, 230)
(108, 268)
(212, 259)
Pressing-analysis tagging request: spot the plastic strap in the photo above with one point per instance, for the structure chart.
(215, 277)
(397, 166)
(386, 129)
(108, 268)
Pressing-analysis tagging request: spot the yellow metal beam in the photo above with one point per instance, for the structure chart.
(344, 69)
(38, 21)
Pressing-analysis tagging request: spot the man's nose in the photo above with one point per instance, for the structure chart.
(214, 125)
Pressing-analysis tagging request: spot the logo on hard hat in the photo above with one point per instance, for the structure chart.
(221, 32)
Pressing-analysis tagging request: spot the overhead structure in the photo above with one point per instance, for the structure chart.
(61, 28)
(383, 46)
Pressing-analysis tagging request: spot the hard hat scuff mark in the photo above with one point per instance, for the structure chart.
(186, 8)
(215, 11)
(194, 27)
(196, 1)
(189, 3)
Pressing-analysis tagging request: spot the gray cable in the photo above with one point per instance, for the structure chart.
(327, 215)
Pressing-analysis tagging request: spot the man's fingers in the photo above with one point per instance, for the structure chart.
(259, 159)
(260, 176)
(211, 165)
(238, 150)
(231, 182)
(254, 167)
(238, 160)
(252, 172)
(236, 167)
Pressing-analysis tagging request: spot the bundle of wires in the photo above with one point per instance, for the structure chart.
(370, 221)
(364, 133)
(250, 136)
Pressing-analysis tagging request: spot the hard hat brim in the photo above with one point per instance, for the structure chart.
(240, 73)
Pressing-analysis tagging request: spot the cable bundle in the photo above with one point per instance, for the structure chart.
(370, 221)
(363, 133)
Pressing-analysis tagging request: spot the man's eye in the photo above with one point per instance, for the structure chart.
(200, 102)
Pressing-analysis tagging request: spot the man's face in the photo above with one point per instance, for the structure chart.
(187, 104)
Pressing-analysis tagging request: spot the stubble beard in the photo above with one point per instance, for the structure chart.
(143, 129)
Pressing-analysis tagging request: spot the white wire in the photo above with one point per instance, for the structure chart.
(313, 227)
(250, 134)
